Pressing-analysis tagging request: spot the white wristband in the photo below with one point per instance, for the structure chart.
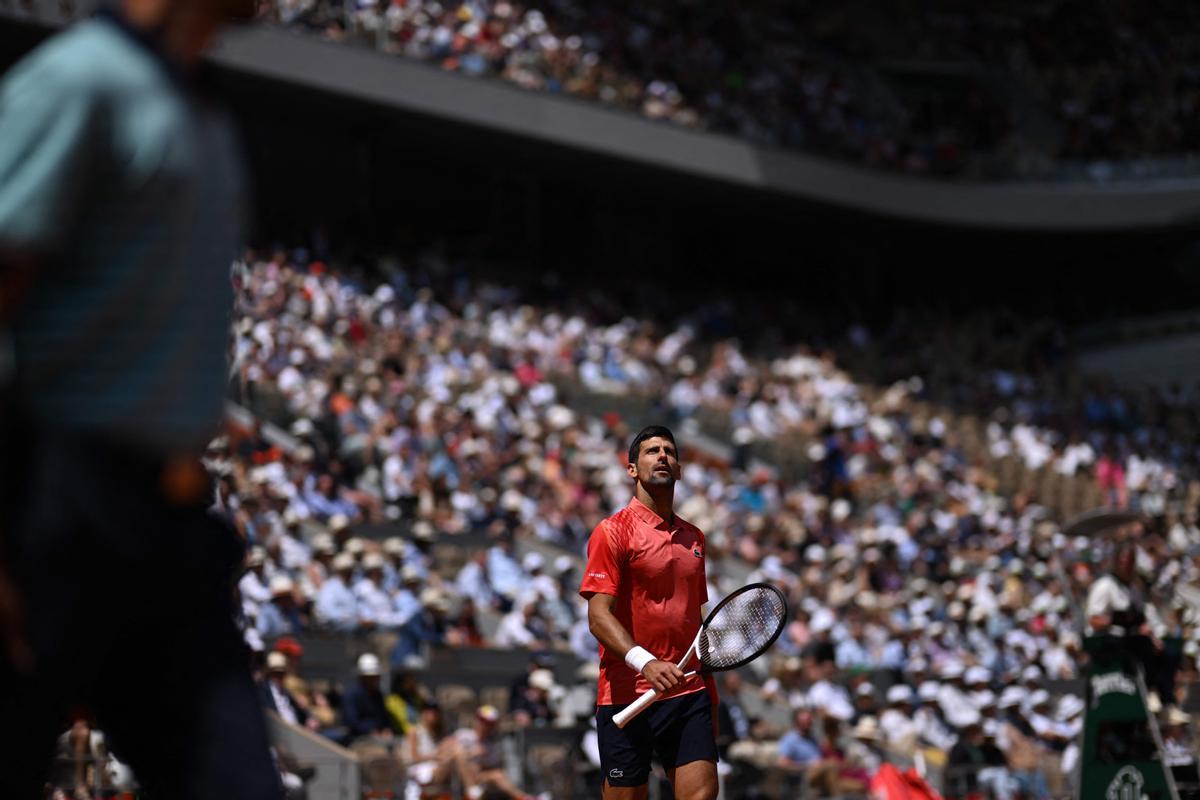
(638, 657)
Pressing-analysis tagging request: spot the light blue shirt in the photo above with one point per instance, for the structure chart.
(129, 187)
(407, 605)
(472, 582)
(798, 748)
(850, 653)
(505, 572)
(271, 622)
(336, 605)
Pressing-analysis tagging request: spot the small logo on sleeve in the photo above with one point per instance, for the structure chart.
(600, 575)
(697, 552)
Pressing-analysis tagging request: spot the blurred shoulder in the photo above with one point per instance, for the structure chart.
(93, 57)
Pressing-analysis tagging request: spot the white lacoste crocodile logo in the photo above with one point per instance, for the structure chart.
(616, 773)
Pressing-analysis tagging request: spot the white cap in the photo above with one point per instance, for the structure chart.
(1177, 717)
(1069, 707)
(323, 543)
(900, 693)
(354, 546)
(1039, 697)
(410, 574)
(343, 562)
(256, 557)
(867, 728)
(951, 670)
(865, 690)
(542, 679)
(533, 561)
(1011, 696)
(423, 529)
(433, 598)
(276, 661)
(338, 522)
(822, 620)
(372, 561)
(281, 584)
(928, 691)
(1031, 673)
(977, 675)
(393, 546)
(368, 664)
(563, 564)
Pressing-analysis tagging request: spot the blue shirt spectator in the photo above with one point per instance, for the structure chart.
(505, 573)
(796, 748)
(336, 604)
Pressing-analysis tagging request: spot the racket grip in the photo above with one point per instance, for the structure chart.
(623, 717)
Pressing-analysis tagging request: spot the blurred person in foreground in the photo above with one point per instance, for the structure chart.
(645, 578)
(121, 200)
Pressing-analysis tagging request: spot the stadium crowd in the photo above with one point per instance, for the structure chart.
(931, 612)
(1003, 91)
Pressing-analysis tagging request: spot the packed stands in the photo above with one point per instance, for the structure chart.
(1003, 91)
(439, 474)
(425, 455)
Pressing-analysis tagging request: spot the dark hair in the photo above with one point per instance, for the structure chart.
(649, 432)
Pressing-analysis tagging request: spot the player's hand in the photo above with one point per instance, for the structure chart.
(663, 675)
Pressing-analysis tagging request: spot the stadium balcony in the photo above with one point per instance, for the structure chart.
(481, 111)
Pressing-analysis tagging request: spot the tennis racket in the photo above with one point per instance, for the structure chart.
(740, 629)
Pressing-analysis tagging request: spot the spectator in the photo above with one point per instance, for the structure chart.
(473, 754)
(532, 705)
(364, 711)
(253, 585)
(864, 754)
(374, 606)
(336, 605)
(280, 616)
(422, 747)
(427, 628)
(405, 702)
(523, 627)
(406, 603)
(463, 629)
(800, 754)
(277, 698)
(896, 722)
(975, 762)
(1179, 752)
(733, 723)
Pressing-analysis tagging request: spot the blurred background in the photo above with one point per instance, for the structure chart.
(914, 287)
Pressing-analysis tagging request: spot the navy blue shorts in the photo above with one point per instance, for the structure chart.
(678, 730)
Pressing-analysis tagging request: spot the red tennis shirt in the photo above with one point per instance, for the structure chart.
(656, 572)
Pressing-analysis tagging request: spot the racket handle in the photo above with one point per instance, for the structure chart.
(625, 715)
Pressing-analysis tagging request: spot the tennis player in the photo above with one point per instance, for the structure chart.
(645, 586)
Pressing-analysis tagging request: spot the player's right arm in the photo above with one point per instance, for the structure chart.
(662, 675)
(602, 577)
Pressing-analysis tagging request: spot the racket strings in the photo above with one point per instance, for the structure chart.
(742, 628)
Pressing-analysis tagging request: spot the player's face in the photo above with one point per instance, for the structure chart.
(657, 464)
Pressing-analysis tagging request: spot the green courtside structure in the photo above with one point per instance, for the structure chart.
(1122, 754)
